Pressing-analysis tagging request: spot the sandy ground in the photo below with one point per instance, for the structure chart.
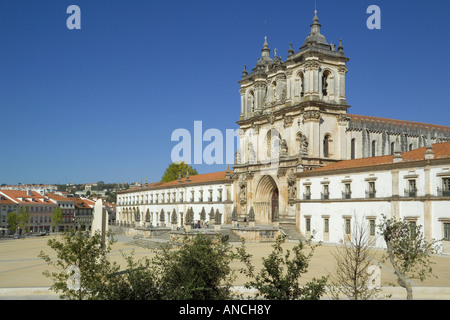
(20, 266)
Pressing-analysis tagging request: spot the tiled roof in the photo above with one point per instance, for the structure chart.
(20, 196)
(440, 150)
(199, 178)
(402, 123)
(57, 197)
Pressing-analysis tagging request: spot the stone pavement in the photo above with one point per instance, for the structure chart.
(21, 269)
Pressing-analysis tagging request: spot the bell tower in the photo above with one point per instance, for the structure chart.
(293, 118)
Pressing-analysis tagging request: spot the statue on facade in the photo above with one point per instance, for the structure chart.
(251, 153)
(303, 145)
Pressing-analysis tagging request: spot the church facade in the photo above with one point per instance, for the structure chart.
(304, 162)
(295, 111)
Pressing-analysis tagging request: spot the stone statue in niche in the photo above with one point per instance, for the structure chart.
(303, 145)
(283, 148)
(292, 188)
(251, 153)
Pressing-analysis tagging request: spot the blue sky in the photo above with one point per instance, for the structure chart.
(101, 103)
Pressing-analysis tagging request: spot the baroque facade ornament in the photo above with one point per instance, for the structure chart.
(311, 115)
(288, 121)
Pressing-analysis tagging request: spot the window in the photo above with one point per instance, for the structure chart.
(446, 187)
(412, 228)
(372, 227)
(326, 225)
(348, 191)
(410, 147)
(392, 147)
(353, 146)
(446, 231)
(326, 192)
(373, 148)
(307, 192)
(372, 190)
(308, 224)
(412, 188)
(347, 226)
(326, 143)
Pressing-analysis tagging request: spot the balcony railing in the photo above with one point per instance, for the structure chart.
(324, 196)
(371, 194)
(346, 195)
(410, 193)
(443, 193)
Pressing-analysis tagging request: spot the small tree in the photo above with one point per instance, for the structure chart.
(139, 281)
(13, 221)
(21, 219)
(408, 251)
(280, 275)
(351, 274)
(199, 270)
(82, 259)
(57, 217)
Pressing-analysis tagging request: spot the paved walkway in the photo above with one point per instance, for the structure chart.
(21, 269)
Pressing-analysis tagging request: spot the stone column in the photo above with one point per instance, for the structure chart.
(242, 92)
(395, 205)
(341, 79)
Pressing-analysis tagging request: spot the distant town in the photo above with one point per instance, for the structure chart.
(39, 201)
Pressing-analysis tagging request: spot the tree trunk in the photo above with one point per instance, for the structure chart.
(401, 279)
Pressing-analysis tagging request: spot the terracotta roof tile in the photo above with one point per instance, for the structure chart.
(199, 178)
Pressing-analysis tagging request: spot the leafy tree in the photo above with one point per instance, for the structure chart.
(408, 251)
(138, 282)
(23, 219)
(57, 217)
(280, 275)
(178, 169)
(88, 256)
(13, 221)
(199, 270)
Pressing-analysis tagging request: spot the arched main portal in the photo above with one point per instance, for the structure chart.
(266, 200)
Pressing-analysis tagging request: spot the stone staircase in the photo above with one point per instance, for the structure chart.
(291, 231)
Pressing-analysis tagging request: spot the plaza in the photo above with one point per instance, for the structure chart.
(21, 269)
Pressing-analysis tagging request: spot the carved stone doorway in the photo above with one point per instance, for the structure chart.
(274, 205)
(266, 200)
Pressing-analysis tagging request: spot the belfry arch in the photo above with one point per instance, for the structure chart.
(266, 200)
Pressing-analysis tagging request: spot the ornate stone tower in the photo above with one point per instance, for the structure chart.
(293, 118)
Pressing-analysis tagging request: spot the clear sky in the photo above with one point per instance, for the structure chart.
(101, 103)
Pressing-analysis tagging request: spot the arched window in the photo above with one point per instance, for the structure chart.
(410, 147)
(326, 146)
(300, 85)
(273, 143)
(274, 91)
(325, 80)
(392, 147)
(373, 148)
(251, 101)
(353, 149)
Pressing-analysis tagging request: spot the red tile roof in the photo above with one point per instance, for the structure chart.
(199, 178)
(20, 196)
(440, 150)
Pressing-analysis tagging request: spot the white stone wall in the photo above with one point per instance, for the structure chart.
(142, 200)
(429, 212)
